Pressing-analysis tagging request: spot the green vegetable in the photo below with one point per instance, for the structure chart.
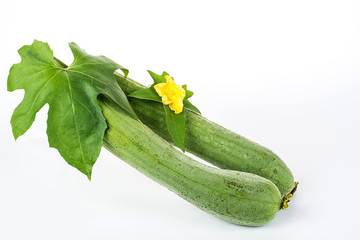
(85, 99)
(212, 142)
(237, 197)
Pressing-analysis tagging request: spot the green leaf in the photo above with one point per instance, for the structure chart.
(75, 125)
(176, 126)
(146, 94)
(191, 107)
(158, 78)
(188, 92)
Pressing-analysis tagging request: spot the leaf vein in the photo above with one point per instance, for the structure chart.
(31, 75)
(94, 78)
(75, 122)
(85, 108)
(39, 93)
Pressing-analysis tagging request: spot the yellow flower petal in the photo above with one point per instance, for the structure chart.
(158, 88)
(177, 105)
(171, 94)
(167, 78)
(165, 100)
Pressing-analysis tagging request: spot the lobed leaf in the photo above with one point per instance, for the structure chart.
(75, 125)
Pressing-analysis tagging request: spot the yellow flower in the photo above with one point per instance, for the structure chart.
(171, 94)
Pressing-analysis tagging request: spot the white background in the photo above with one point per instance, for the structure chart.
(285, 74)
